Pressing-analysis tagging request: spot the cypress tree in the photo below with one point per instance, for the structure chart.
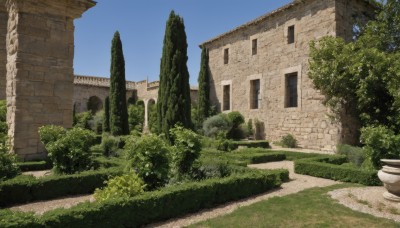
(106, 121)
(174, 92)
(203, 99)
(118, 109)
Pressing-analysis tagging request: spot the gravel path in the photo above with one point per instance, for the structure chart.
(296, 184)
(368, 200)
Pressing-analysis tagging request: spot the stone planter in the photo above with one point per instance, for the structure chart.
(390, 176)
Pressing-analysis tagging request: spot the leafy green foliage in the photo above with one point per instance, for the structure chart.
(216, 126)
(380, 142)
(125, 187)
(84, 120)
(118, 108)
(152, 120)
(8, 163)
(3, 120)
(236, 120)
(187, 147)
(136, 117)
(203, 99)
(97, 122)
(111, 144)
(70, 151)
(288, 141)
(330, 167)
(106, 123)
(148, 157)
(51, 133)
(174, 104)
(355, 155)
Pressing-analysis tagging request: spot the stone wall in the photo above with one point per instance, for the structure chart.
(309, 121)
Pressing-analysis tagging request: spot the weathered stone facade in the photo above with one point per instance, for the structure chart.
(40, 51)
(261, 52)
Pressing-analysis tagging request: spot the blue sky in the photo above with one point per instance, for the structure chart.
(141, 24)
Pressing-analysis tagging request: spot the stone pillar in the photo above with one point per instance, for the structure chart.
(3, 52)
(40, 52)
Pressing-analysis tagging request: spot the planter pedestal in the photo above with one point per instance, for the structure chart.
(390, 176)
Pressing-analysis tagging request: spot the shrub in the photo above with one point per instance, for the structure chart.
(97, 123)
(34, 166)
(110, 144)
(152, 118)
(51, 133)
(187, 149)
(235, 120)
(330, 167)
(225, 145)
(136, 117)
(125, 186)
(8, 163)
(250, 129)
(70, 153)
(355, 155)
(380, 142)
(83, 120)
(289, 141)
(148, 157)
(216, 125)
(3, 121)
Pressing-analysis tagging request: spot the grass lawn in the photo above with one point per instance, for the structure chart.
(309, 208)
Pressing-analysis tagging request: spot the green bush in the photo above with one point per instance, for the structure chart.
(330, 167)
(8, 163)
(111, 144)
(96, 124)
(136, 117)
(148, 157)
(216, 125)
(23, 189)
(34, 165)
(152, 121)
(167, 203)
(250, 129)
(225, 145)
(235, 121)
(187, 147)
(51, 133)
(70, 152)
(380, 143)
(83, 120)
(355, 155)
(125, 187)
(252, 144)
(3, 121)
(289, 141)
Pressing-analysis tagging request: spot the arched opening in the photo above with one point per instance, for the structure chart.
(94, 104)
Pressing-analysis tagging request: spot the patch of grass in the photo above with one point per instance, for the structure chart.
(394, 211)
(309, 208)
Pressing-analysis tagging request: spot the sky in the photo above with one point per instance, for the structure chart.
(141, 24)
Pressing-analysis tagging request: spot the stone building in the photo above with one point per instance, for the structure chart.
(260, 69)
(96, 89)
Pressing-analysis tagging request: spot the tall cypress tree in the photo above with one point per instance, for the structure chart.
(106, 121)
(174, 92)
(118, 110)
(203, 99)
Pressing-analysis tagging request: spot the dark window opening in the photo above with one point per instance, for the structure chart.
(255, 94)
(291, 34)
(226, 56)
(254, 47)
(291, 90)
(226, 98)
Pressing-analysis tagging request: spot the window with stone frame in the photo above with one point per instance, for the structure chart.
(255, 94)
(226, 55)
(226, 98)
(291, 93)
(254, 46)
(290, 35)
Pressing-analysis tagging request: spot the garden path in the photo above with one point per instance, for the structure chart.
(296, 184)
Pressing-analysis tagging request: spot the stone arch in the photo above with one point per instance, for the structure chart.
(94, 104)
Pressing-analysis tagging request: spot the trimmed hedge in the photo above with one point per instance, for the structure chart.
(155, 206)
(257, 158)
(330, 168)
(28, 189)
(34, 166)
(251, 144)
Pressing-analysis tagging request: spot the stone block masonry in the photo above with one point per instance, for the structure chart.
(40, 51)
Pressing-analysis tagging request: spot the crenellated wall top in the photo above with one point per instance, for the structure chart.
(105, 82)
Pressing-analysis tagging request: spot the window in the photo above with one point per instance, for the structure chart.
(226, 98)
(255, 95)
(226, 56)
(290, 34)
(254, 47)
(291, 90)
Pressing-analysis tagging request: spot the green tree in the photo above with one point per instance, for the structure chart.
(118, 109)
(203, 99)
(174, 104)
(106, 123)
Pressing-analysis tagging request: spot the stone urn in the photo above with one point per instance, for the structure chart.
(390, 176)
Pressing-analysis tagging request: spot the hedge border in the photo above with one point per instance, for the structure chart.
(34, 166)
(29, 189)
(162, 204)
(329, 167)
(251, 144)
